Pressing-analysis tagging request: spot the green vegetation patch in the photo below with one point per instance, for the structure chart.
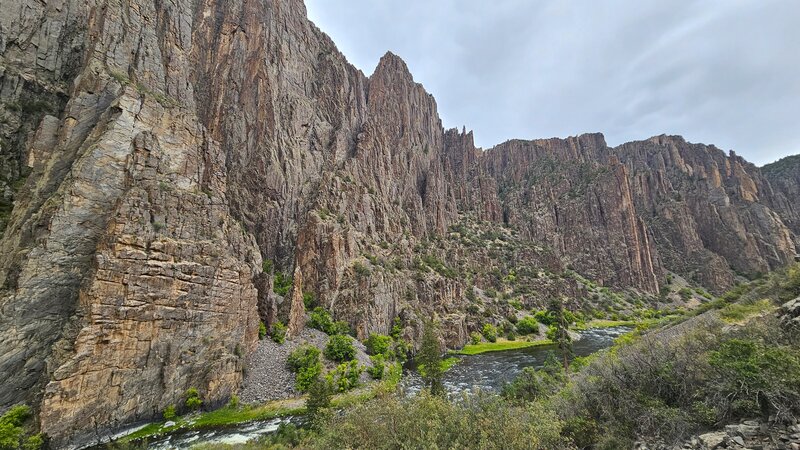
(340, 348)
(605, 323)
(12, 430)
(738, 312)
(305, 362)
(500, 345)
(282, 284)
(446, 364)
(220, 417)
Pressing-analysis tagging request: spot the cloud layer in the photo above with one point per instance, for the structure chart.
(723, 72)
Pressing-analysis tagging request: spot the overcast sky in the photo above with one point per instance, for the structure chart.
(721, 72)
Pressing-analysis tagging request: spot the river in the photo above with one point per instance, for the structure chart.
(490, 371)
(486, 371)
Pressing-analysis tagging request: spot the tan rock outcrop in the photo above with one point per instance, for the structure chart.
(297, 311)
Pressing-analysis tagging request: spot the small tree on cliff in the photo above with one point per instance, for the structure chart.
(430, 359)
(559, 331)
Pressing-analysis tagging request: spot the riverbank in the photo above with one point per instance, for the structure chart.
(505, 344)
(500, 345)
(230, 415)
(604, 323)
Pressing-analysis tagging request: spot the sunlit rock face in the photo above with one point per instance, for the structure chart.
(160, 156)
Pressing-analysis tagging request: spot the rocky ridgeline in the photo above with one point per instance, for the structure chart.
(160, 156)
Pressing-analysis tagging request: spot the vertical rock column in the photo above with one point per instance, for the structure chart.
(297, 311)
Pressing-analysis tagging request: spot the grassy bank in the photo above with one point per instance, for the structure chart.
(449, 362)
(500, 345)
(229, 415)
(603, 323)
(504, 344)
(221, 417)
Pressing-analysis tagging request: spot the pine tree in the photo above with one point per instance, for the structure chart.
(430, 358)
(319, 398)
(560, 333)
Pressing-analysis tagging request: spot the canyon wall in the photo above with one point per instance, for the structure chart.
(163, 161)
(784, 179)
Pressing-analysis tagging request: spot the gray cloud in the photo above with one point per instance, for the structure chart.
(723, 72)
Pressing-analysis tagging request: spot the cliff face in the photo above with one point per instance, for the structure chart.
(784, 178)
(125, 278)
(710, 213)
(562, 193)
(164, 160)
(168, 148)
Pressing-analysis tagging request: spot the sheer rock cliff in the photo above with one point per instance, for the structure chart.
(161, 161)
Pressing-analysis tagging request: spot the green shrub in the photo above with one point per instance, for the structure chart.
(309, 301)
(528, 325)
(304, 361)
(262, 330)
(278, 333)
(169, 413)
(341, 327)
(285, 437)
(440, 267)
(233, 403)
(791, 285)
(552, 332)
(530, 385)
(193, 401)
(431, 422)
(282, 285)
(400, 350)
(378, 344)
(543, 317)
(582, 431)
(378, 367)
(11, 430)
(760, 377)
(322, 320)
(736, 312)
(34, 442)
(340, 348)
(305, 377)
(302, 357)
(397, 328)
(361, 270)
(569, 316)
(345, 376)
(475, 338)
(489, 332)
(266, 266)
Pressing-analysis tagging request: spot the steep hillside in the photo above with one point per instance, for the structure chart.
(164, 163)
